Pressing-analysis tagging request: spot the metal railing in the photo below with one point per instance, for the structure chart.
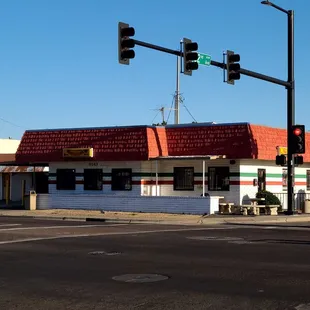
(299, 198)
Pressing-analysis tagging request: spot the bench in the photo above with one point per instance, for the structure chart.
(267, 209)
(255, 209)
(225, 207)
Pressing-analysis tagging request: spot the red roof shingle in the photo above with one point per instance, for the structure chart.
(239, 140)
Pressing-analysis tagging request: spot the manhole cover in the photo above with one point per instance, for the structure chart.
(140, 278)
(104, 253)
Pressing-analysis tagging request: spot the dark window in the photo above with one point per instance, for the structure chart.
(121, 179)
(65, 179)
(41, 182)
(308, 180)
(218, 178)
(92, 179)
(261, 179)
(183, 179)
(284, 179)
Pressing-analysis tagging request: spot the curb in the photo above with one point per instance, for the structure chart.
(253, 221)
(110, 221)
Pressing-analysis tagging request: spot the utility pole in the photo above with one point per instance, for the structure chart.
(177, 94)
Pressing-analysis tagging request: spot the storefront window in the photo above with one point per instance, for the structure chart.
(284, 179)
(183, 178)
(65, 179)
(93, 179)
(121, 179)
(218, 179)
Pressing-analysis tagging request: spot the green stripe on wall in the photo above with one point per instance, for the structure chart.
(196, 174)
(274, 175)
(247, 174)
(279, 175)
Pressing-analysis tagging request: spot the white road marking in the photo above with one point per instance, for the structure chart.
(53, 227)
(203, 238)
(240, 242)
(4, 225)
(303, 307)
(100, 234)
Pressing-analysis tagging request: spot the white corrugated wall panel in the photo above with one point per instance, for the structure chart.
(187, 205)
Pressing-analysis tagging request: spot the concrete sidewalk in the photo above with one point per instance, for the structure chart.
(153, 218)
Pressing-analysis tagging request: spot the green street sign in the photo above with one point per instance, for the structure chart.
(204, 59)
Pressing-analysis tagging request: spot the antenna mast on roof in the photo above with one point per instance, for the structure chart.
(162, 111)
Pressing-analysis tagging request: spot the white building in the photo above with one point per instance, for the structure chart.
(148, 168)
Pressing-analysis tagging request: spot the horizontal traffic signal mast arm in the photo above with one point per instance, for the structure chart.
(216, 64)
(254, 74)
(159, 48)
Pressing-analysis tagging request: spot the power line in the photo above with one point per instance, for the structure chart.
(6, 121)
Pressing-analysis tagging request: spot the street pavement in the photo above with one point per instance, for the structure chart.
(92, 265)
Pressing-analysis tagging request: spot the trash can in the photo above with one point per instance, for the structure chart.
(31, 201)
(307, 206)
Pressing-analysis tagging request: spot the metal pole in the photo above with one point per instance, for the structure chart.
(177, 94)
(156, 177)
(203, 177)
(290, 114)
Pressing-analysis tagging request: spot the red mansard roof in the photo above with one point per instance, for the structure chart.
(239, 140)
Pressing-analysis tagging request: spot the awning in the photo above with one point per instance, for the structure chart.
(203, 157)
(18, 169)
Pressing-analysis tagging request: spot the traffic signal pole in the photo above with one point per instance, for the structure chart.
(290, 114)
(289, 85)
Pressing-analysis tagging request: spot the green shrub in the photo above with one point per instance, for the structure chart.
(270, 198)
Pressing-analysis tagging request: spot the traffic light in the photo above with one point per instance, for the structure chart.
(298, 160)
(125, 43)
(281, 160)
(189, 56)
(232, 67)
(298, 139)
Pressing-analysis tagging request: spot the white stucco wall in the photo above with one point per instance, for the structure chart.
(165, 187)
(242, 173)
(106, 168)
(187, 205)
(8, 146)
(16, 185)
(248, 172)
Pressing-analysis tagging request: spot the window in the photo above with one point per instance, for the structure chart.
(183, 179)
(284, 179)
(65, 179)
(218, 178)
(121, 179)
(92, 179)
(308, 180)
(261, 179)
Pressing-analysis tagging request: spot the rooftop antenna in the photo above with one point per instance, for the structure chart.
(162, 111)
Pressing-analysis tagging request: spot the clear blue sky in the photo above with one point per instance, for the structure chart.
(59, 65)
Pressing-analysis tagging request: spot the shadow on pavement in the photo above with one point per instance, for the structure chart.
(269, 225)
(300, 242)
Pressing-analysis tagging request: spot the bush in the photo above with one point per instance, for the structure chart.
(270, 198)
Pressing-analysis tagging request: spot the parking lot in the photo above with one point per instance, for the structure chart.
(79, 265)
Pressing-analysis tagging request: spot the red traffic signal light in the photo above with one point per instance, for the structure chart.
(297, 131)
(298, 143)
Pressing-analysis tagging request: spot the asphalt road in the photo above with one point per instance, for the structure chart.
(72, 265)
